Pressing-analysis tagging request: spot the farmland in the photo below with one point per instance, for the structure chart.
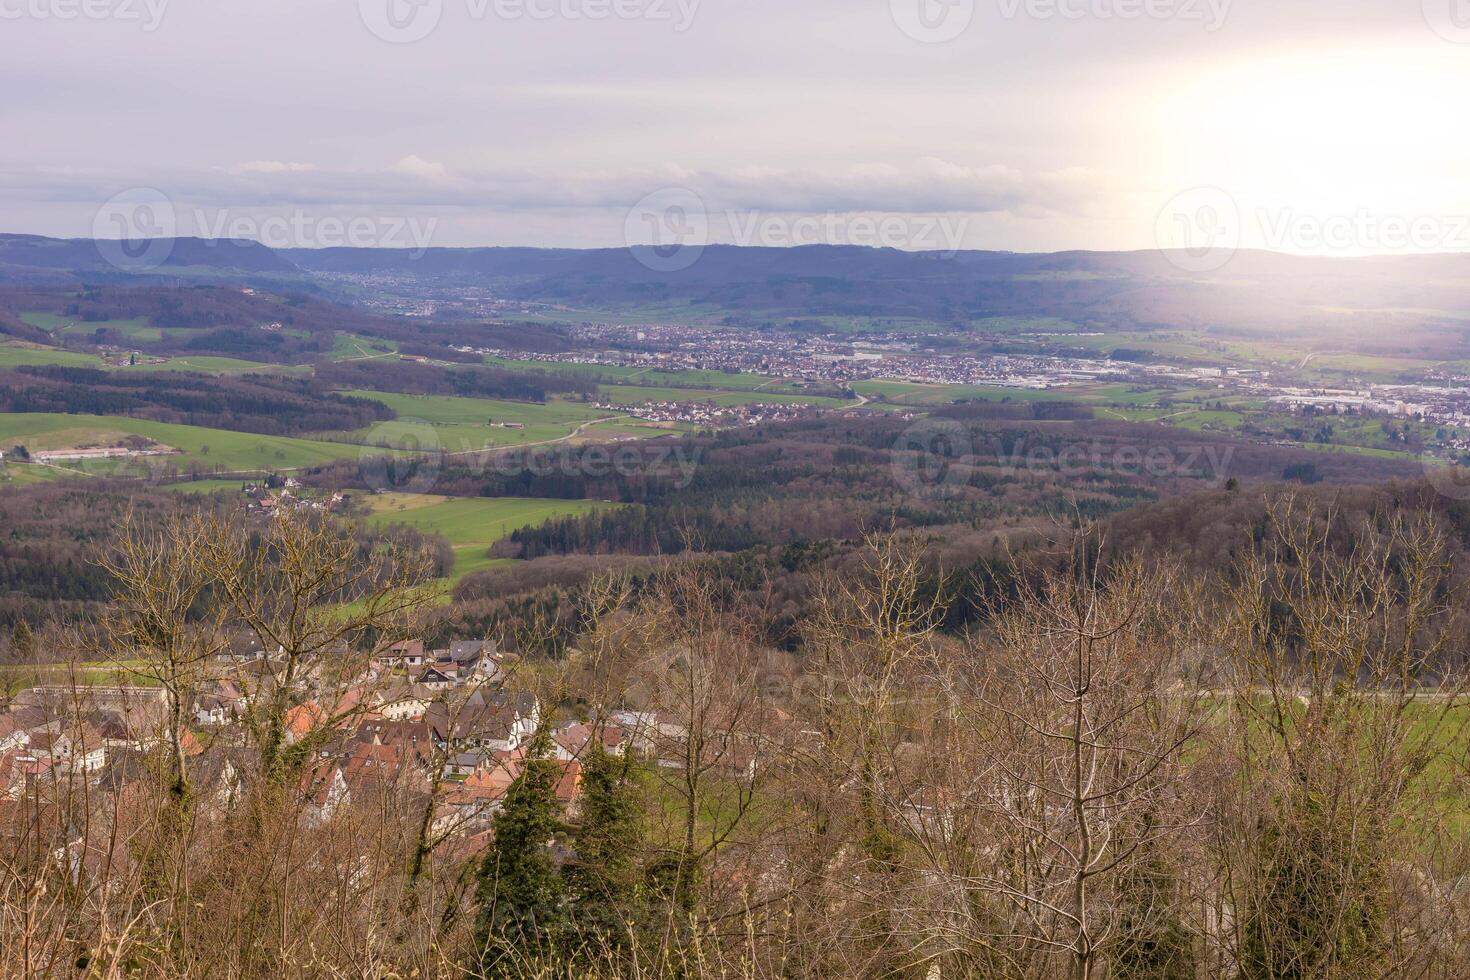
(469, 424)
(197, 446)
(471, 524)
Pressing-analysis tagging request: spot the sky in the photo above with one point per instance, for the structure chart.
(1027, 125)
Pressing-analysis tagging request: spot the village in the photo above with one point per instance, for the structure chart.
(447, 727)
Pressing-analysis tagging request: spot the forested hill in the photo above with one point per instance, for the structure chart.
(34, 253)
(1388, 305)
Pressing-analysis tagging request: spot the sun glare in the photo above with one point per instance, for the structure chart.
(1328, 133)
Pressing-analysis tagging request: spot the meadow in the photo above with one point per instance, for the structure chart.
(471, 524)
(197, 446)
(468, 424)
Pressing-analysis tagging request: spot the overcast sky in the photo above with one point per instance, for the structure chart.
(1008, 124)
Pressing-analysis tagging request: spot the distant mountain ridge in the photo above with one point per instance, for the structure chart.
(1384, 304)
(81, 255)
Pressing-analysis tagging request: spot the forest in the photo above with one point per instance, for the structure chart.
(1241, 757)
(267, 404)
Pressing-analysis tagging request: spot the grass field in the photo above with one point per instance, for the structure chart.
(232, 485)
(472, 524)
(17, 355)
(466, 424)
(197, 445)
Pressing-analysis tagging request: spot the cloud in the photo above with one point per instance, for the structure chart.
(923, 186)
(271, 167)
(416, 166)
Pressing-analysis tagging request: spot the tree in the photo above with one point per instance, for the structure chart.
(161, 613)
(308, 591)
(1334, 632)
(604, 878)
(520, 890)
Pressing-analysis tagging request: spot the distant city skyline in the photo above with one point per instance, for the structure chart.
(1026, 125)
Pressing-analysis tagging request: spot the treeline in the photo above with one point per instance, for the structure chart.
(410, 378)
(289, 327)
(1135, 770)
(828, 477)
(53, 533)
(266, 404)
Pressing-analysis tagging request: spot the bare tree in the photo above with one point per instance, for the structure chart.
(1349, 708)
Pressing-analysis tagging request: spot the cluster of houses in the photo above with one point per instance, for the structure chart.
(261, 500)
(438, 726)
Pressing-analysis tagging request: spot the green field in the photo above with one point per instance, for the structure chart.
(350, 347)
(467, 424)
(18, 355)
(232, 485)
(471, 524)
(197, 445)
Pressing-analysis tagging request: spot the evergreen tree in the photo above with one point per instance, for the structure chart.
(520, 890)
(1153, 943)
(604, 878)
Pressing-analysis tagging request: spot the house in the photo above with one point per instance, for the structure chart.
(403, 702)
(476, 660)
(573, 741)
(13, 731)
(324, 789)
(404, 653)
(480, 795)
(302, 719)
(74, 748)
(433, 678)
(491, 720)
